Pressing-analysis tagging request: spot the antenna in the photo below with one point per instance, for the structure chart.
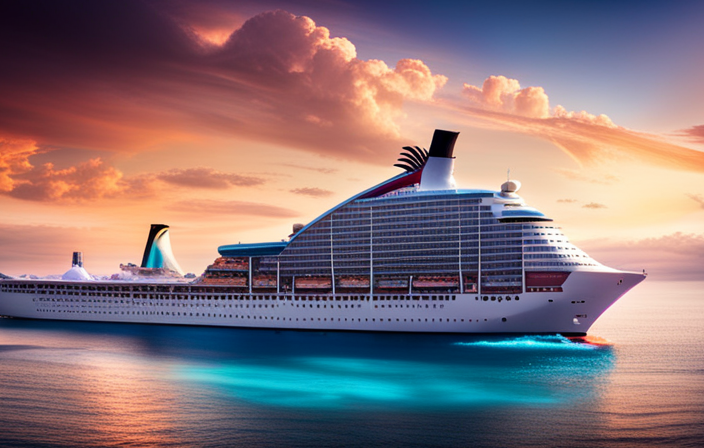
(508, 175)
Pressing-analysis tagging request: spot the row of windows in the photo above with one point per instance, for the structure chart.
(541, 256)
(290, 319)
(554, 263)
(257, 298)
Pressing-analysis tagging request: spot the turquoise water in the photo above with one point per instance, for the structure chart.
(87, 384)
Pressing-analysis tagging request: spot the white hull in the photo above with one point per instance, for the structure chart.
(585, 296)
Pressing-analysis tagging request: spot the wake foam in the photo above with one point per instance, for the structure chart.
(532, 342)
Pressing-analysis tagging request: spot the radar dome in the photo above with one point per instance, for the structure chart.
(77, 271)
(510, 186)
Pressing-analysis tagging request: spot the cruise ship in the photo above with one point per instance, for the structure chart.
(412, 254)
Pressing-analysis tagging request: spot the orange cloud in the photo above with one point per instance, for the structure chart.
(203, 177)
(594, 205)
(94, 179)
(312, 192)
(86, 181)
(587, 138)
(14, 160)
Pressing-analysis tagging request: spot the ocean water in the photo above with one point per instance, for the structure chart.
(88, 384)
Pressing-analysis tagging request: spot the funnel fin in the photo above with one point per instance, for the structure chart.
(158, 253)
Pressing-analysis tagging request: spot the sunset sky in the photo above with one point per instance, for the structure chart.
(232, 120)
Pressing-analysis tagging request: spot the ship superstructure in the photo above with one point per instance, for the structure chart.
(414, 253)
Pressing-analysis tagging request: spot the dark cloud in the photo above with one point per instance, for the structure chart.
(126, 76)
(312, 191)
(695, 133)
(203, 177)
(594, 205)
(214, 207)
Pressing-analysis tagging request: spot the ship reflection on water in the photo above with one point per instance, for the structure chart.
(331, 370)
(110, 383)
(442, 374)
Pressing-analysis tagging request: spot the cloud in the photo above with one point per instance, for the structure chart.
(312, 191)
(583, 117)
(698, 198)
(567, 201)
(695, 133)
(587, 138)
(14, 160)
(19, 178)
(594, 205)
(94, 179)
(125, 76)
(504, 94)
(213, 207)
(310, 168)
(203, 177)
(212, 22)
(87, 181)
(678, 256)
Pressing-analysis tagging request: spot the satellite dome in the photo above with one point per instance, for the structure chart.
(510, 186)
(77, 273)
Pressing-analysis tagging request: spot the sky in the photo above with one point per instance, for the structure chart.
(232, 120)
